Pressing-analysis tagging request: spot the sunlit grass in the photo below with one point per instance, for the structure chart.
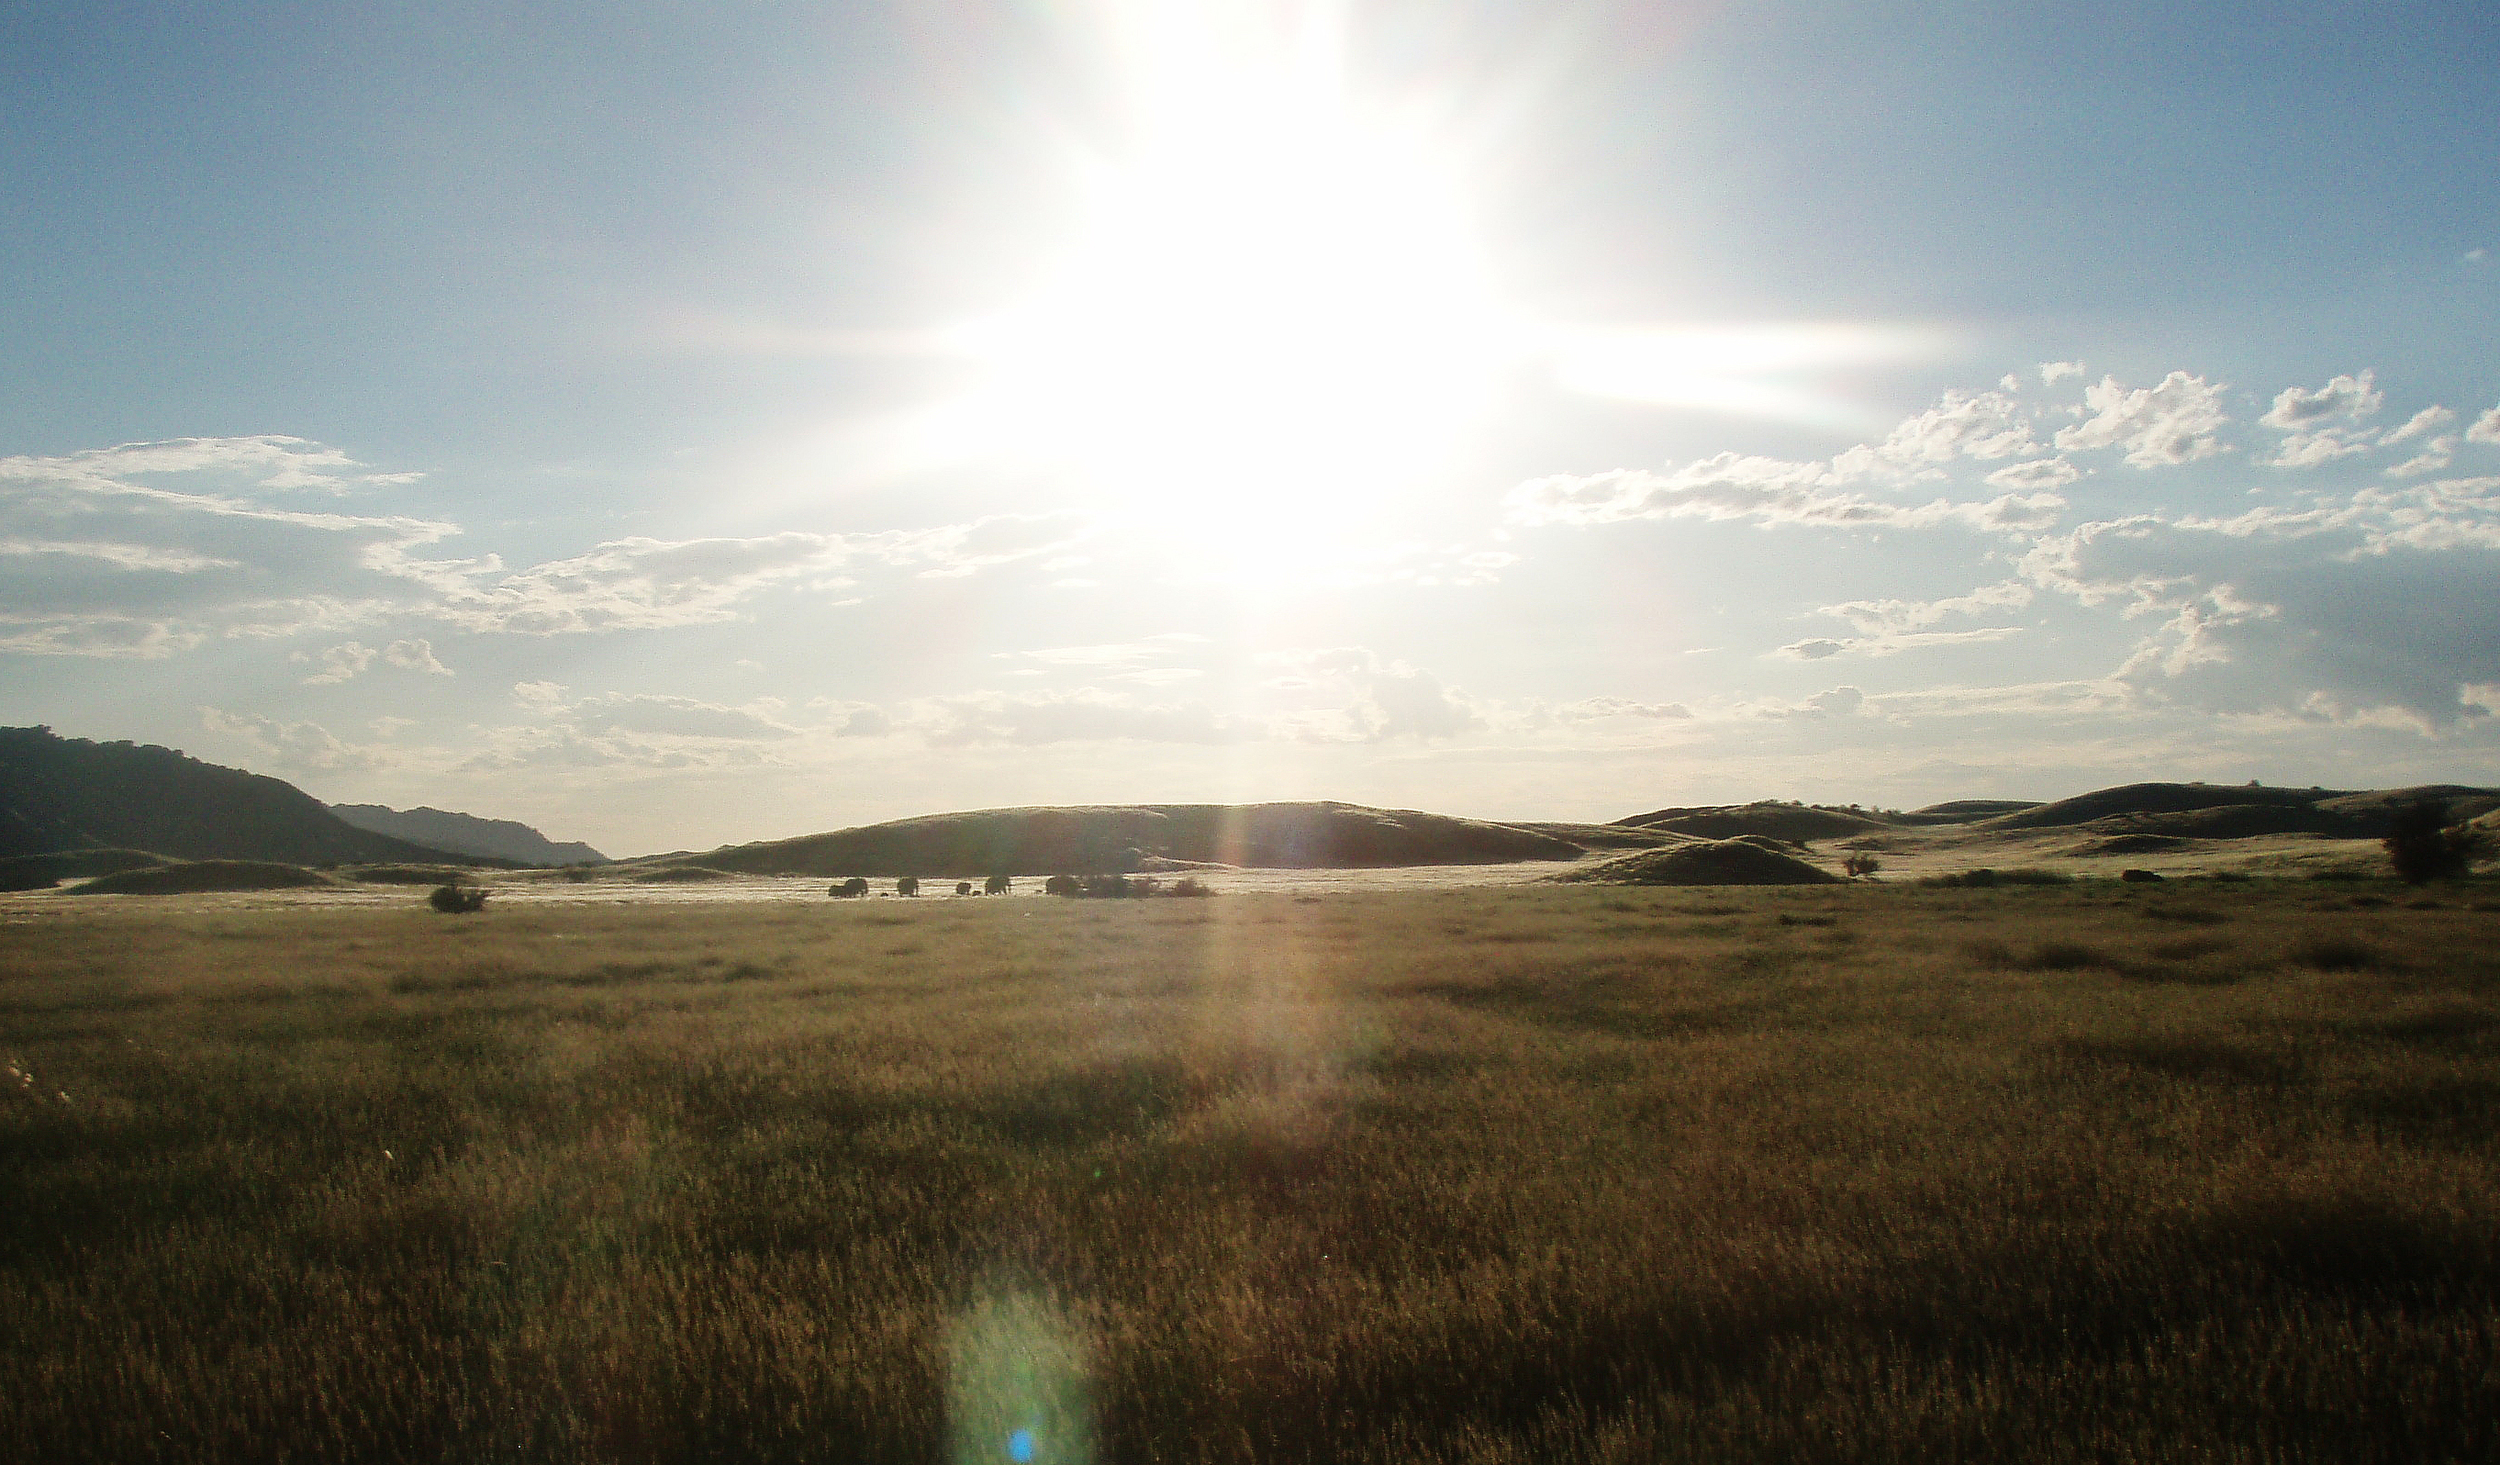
(1859, 1173)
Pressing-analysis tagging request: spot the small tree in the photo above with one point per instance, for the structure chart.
(2423, 846)
(1857, 867)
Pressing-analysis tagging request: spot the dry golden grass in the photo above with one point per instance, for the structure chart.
(1852, 1173)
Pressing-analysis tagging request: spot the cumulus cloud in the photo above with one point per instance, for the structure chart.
(337, 664)
(2486, 428)
(2309, 449)
(2435, 457)
(2053, 372)
(1892, 617)
(1838, 702)
(415, 655)
(679, 717)
(1962, 425)
(2347, 611)
(634, 584)
(1352, 694)
(2420, 424)
(294, 744)
(2349, 397)
(2174, 422)
(2040, 473)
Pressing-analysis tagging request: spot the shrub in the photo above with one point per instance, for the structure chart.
(2330, 953)
(454, 900)
(2422, 846)
(1983, 878)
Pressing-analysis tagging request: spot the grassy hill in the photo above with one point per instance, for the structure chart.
(2227, 811)
(1042, 841)
(1768, 819)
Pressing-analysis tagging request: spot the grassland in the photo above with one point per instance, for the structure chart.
(2080, 1173)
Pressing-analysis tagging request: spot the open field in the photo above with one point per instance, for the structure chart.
(1501, 1173)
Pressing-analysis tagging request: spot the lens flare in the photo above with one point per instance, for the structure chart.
(1017, 1384)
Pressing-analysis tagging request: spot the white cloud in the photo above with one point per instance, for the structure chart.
(2040, 473)
(2053, 372)
(1891, 617)
(2420, 424)
(539, 697)
(1113, 656)
(679, 717)
(120, 556)
(2373, 607)
(1352, 694)
(1819, 648)
(338, 664)
(103, 542)
(100, 545)
(1598, 709)
(2174, 422)
(415, 655)
(1767, 490)
(1081, 715)
(295, 744)
(269, 461)
(2355, 399)
(2486, 428)
(2435, 456)
(2309, 449)
(1838, 702)
(1962, 425)
(108, 636)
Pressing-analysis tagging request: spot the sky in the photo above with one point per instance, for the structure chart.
(676, 424)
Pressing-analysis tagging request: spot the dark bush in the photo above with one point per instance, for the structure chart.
(454, 900)
(2423, 846)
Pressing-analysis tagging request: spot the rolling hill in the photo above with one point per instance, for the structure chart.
(1041, 841)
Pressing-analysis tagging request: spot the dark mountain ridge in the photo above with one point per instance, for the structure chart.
(61, 794)
(467, 834)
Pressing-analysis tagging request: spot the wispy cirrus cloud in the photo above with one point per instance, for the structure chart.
(150, 549)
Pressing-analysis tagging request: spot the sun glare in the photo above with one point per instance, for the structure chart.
(1276, 300)
(1275, 330)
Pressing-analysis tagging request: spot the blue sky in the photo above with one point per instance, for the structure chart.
(673, 424)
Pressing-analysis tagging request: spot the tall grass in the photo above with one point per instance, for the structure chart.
(1857, 1173)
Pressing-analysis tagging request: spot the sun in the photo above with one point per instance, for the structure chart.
(1276, 309)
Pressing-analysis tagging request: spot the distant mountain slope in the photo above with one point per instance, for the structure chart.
(1080, 840)
(61, 793)
(467, 834)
